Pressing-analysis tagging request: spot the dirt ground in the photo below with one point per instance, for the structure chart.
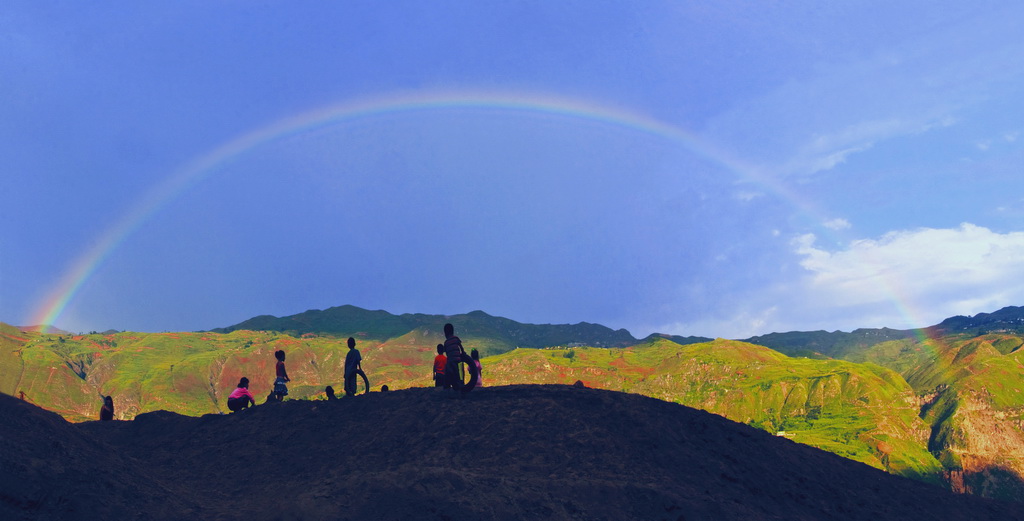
(516, 452)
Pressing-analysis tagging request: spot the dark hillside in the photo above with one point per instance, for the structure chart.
(517, 452)
(50, 469)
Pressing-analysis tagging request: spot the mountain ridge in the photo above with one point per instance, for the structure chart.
(820, 343)
(349, 320)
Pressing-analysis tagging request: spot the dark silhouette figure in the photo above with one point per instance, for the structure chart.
(453, 351)
(241, 397)
(439, 362)
(280, 387)
(330, 393)
(479, 368)
(353, 363)
(107, 411)
(384, 388)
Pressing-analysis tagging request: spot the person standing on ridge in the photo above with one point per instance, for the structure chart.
(241, 397)
(475, 355)
(439, 362)
(353, 364)
(107, 411)
(453, 351)
(280, 389)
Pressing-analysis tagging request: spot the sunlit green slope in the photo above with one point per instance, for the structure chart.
(972, 392)
(861, 411)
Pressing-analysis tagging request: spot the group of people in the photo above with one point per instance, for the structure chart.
(447, 371)
(242, 398)
(447, 374)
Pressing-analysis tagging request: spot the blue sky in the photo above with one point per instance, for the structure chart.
(804, 165)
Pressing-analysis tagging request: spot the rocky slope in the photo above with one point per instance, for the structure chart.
(971, 390)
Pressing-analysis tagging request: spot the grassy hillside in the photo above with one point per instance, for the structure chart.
(860, 411)
(972, 390)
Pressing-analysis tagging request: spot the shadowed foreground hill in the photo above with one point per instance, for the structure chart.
(516, 452)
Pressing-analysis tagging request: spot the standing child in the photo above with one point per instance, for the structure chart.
(479, 368)
(439, 362)
(353, 363)
(107, 411)
(280, 389)
(453, 351)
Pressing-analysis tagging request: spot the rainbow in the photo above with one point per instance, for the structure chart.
(205, 165)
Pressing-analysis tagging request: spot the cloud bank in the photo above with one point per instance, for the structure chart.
(928, 273)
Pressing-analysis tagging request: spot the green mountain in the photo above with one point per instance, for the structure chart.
(971, 389)
(823, 344)
(1007, 320)
(496, 334)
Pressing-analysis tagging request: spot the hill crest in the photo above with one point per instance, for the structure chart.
(525, 451)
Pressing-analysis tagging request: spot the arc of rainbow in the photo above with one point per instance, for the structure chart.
(204, 165)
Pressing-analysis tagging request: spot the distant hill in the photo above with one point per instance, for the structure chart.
(519, 452)
(839, 344)
(1007, 320)
(824, 344)
(44, 329)
(502, 334)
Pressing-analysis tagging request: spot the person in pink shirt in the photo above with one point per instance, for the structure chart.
(241, 397)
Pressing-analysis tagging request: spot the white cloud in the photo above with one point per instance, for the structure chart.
(837, 224)
(942, 272)
(826, 151)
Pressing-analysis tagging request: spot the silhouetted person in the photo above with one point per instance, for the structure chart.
(479, 368)
(107, 411)
(453, 352)
(280, 387)
(353, 363)
(439, 362)
(241, 397)
(330, 393)
(384, 388)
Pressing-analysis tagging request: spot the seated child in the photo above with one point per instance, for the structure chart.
(241, 397)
